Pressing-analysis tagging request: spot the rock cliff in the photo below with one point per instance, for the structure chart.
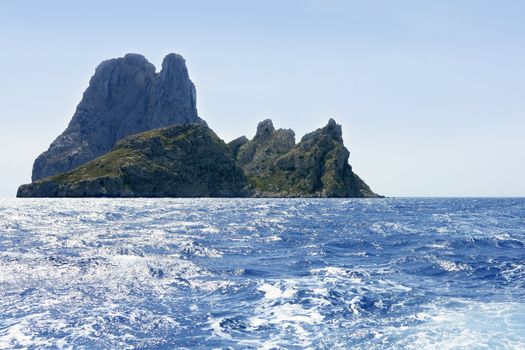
(179, 161)
(315, 167)
(125, 96)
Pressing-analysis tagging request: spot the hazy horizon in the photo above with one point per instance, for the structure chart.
(430, 95)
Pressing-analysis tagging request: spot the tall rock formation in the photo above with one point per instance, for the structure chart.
(125, 96)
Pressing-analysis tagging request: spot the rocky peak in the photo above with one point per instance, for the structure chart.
(331, 131)
(174, 73)
(267, 144)
(125, 96)
(129, 60)
(316, 166)
(174, 77)
(117, 81)
(173, 61)
(265, 129)
(135, 59)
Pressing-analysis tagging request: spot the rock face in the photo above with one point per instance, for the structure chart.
(257, 156)
(125, 96)
(179, 161)
(315, 167)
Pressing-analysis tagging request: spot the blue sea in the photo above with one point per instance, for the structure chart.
(262, 273)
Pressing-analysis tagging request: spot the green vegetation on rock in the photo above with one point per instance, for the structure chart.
(180, 161)
(190, 160)
(315, 167)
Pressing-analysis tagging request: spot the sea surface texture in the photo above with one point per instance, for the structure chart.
(262, 273)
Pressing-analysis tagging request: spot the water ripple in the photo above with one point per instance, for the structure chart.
(262, 273)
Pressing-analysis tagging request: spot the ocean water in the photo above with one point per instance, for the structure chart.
(262, 273)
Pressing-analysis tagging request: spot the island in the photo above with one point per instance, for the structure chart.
(136, 133)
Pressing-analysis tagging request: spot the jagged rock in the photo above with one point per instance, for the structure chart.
(96, 156)
(179, 161)
(191, 161)
(257, 155)
(316, 166)
(236, 144)
(125, 96)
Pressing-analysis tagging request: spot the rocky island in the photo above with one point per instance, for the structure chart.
(125, 96)
(136, 133)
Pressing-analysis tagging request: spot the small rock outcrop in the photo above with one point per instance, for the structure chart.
(257, 155)
(315, 167)
(179, 161)
(125, 96)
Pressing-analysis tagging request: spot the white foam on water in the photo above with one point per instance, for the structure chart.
(467, 324)
(442, 246)
(450, 266)
(359, 254)
(278, 319)
(215, 325)
(514, 272)
(273, 238)
(277, 291)
(15, 336)
(192, 248)
(442, 229)
(298, 312)
(387, 228)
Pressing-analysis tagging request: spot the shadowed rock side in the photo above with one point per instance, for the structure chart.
(179, 161)
(125, 96)
(315, 167)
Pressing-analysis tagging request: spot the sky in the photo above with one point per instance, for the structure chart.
(431, 94)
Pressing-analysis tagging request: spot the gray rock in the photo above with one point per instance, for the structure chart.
(125, 96)
(236, 144)
(268, 144)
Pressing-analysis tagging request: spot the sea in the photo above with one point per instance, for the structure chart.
(392, 273)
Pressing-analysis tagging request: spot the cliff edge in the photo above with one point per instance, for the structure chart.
(125, 96)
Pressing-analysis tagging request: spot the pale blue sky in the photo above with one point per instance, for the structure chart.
(431, 94)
